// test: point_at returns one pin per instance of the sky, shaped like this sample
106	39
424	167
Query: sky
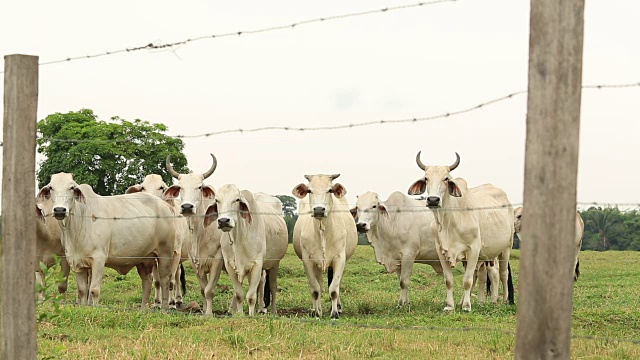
409	63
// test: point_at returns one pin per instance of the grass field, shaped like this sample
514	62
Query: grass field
606	319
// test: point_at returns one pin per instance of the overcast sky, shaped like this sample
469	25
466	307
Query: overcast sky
400	64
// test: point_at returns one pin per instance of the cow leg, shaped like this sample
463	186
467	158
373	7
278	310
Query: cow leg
313	274
147	279
467	280
62	285
82	283
178	288
448	279
210	286
504	273
97	271
165	274
238	292
273	286
482	282
254	281
334	288
174	278
262	309
156	285
40	280
494	276
404	276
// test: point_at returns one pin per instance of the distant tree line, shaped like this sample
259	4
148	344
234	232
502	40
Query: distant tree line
611	229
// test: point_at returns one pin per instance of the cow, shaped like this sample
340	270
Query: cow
254	240
154	185
471	224
204	243
48	247
324	236
119	232
517	212
399	229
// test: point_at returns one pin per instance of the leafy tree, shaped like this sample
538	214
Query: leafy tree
108	155
289	207
604	229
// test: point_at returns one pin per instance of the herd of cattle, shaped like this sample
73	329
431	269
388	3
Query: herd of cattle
244	234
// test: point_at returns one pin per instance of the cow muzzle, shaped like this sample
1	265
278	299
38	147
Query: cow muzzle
225	224
187	209
319	212
433	202
362	228
60	213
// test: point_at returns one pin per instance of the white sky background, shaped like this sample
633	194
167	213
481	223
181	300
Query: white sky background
402	64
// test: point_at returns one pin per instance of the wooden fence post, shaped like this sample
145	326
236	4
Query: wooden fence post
551	166
18	313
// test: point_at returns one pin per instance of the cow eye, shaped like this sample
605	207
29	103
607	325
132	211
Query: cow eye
238	200
374	206
200	187
309	191
161	188
330	191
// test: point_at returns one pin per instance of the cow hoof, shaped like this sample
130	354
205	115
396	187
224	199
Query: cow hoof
314	314
466	308
339	308
335	316
179	304
449	308
262	311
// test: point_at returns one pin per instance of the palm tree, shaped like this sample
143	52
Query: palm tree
604	222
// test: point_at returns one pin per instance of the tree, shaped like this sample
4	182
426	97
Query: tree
604	226
109	156
289	207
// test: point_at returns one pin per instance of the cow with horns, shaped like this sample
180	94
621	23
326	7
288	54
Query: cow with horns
471	224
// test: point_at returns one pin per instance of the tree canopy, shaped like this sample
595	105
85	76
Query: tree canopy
108	155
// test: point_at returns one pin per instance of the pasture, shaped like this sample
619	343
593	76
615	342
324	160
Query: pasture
606	318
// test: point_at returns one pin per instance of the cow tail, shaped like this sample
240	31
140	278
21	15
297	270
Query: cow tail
512	295
267	291
329	275
577	271
183	280
488	278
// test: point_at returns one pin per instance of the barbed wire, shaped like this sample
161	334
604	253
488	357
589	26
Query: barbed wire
346	126
342	324
171	45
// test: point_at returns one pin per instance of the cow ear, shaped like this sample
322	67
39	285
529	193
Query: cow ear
208	192
338	190
300	191
454	190
40	213
45	193
418	187
211	215
383	209
172	192
134	189
78	195
354	213
245	212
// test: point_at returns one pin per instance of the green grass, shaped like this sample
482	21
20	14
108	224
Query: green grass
605	307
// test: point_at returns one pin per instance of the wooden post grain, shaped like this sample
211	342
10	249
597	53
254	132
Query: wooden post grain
18	314
551	166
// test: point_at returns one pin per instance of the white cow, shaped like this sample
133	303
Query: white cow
254	239
578	239
204	244
324	236
399	229
470	224
154	185
120	232
48	244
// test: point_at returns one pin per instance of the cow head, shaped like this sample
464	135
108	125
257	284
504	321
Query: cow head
437	182
190	188
152	184
368	210
321	191
63	192
517	214
229	207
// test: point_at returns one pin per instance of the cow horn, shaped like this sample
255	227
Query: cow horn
212	169
170	168
420	164
334	176
455	164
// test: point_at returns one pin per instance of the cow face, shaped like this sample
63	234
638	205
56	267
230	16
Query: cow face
368	210
190	188
152	184
437	182
229	207
321	191
63	192
517	212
